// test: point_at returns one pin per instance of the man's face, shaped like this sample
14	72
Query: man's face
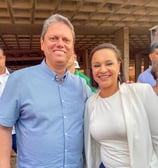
154	55
2	62
57	45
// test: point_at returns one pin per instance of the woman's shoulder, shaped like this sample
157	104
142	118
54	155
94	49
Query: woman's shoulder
138	88
136	85
92	99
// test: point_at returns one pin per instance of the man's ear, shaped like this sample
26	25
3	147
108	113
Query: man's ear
150	57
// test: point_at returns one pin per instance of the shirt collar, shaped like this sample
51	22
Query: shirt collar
5	74
53	74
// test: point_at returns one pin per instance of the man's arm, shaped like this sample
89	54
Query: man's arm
5	146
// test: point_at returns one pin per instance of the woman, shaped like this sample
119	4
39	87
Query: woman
154	72
121	119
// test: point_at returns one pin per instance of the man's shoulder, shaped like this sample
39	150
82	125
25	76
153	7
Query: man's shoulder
144	75
147	71
24	72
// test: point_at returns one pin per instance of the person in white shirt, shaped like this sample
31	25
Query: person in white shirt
4	74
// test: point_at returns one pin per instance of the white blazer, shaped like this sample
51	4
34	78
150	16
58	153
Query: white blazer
140	109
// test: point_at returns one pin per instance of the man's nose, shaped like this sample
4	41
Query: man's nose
59	42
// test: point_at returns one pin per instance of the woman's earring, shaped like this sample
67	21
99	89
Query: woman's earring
119	76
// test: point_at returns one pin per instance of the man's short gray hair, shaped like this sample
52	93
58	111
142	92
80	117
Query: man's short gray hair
57	18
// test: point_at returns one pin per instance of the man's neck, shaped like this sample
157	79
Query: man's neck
72	69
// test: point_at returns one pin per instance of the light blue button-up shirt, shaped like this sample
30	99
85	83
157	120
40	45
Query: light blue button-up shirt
48	116
147	77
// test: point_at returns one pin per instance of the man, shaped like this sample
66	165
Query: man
4	74
146	76
73	67
47	105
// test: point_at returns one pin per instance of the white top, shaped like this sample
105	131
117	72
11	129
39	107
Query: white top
109	130
139	108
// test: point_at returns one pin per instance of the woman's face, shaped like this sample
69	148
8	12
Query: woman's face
105	68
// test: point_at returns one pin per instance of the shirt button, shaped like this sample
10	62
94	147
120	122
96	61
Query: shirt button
65	117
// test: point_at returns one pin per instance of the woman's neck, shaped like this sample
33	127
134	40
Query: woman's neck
109	91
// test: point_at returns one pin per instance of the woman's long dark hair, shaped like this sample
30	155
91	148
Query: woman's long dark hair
121	76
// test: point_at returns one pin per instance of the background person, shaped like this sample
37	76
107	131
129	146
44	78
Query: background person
154	72
4	74
120	119
47	105
146	76
73	67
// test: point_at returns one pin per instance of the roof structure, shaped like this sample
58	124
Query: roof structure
95	21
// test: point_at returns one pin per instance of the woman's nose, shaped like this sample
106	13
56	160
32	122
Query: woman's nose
103	68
